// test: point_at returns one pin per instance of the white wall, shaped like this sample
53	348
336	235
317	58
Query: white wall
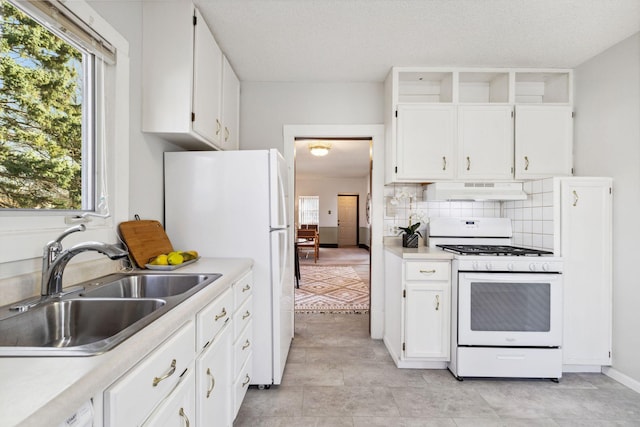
266	107
607	143
145	150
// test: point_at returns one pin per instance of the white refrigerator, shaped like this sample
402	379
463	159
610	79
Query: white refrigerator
234	204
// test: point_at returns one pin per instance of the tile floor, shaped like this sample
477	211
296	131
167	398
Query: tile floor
337	376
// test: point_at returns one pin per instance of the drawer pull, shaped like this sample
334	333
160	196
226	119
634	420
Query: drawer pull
437	302
246	381
226	134
247	314
428	271
222	314
246	288
212	381
184	416
171	371
218	127
246	344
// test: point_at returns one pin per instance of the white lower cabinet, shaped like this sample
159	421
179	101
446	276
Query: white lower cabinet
198	376
133	398
179	409
417	311
213	392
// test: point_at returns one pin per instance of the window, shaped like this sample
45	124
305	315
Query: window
64	112
308	209
45	120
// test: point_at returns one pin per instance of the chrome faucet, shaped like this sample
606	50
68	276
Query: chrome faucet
54	259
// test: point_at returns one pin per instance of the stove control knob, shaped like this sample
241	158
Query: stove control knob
510	266
488	266
532	267
475	265
545	266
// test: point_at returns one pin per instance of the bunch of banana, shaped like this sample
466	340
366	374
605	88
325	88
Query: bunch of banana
174	258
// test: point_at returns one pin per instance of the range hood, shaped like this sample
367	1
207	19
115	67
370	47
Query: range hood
475	191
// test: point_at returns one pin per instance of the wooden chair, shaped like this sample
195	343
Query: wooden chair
308	238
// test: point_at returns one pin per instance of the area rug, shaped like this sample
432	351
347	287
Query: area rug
331	289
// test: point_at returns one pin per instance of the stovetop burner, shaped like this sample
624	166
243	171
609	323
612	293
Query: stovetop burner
499	250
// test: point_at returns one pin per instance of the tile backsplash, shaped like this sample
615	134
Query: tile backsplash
531	219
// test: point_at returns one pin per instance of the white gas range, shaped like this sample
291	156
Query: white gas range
506	301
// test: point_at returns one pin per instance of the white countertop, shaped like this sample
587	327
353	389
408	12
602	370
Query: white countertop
39	391
394	246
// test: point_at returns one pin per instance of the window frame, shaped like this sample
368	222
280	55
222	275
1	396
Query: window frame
25	232
300	210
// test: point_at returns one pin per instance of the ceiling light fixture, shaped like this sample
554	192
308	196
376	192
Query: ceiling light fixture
319	148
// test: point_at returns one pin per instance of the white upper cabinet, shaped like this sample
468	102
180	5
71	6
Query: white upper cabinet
230	107
485	141
424	104
426	138
183	90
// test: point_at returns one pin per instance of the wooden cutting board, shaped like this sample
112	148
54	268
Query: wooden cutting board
145	239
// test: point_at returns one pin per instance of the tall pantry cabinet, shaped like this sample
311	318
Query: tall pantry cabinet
584	217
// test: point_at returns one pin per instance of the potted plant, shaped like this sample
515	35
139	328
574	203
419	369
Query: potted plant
410	236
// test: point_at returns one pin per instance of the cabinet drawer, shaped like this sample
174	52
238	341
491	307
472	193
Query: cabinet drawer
132	398
241	385
180	408
242	348
428	270
243	289
212	318
242	317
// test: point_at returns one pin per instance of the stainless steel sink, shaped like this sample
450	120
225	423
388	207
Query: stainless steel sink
107	311
145	285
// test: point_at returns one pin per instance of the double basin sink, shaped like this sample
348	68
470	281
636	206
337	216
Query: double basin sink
96	317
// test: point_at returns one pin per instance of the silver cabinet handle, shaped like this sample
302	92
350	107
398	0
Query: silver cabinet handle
468	163
171	371
428	271
246	344
212	382
437	302
444	163
526	163
247	314
246	381
226	134
218	126
222	314
575	198
184	416
246	288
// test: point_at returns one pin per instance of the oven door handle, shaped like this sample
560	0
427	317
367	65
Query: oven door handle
508	277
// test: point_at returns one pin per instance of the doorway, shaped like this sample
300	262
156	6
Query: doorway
376	134
348	220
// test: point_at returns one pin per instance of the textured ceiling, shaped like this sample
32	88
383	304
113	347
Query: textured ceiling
359	40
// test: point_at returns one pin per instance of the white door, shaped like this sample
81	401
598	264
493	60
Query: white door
207	70
347	220
213	382
586	243
543	141
425	144
485	142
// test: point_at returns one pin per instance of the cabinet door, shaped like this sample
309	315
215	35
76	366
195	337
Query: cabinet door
207	83
586	246
544	141
213	393
179	409
230	107
485	142
425	144
427	320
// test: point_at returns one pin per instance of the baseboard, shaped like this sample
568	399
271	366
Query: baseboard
363	246
622	378
582	368
328	245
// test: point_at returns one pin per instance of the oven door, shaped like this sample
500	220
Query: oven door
510	309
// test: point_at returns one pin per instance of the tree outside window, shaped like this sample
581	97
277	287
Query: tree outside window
41	116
